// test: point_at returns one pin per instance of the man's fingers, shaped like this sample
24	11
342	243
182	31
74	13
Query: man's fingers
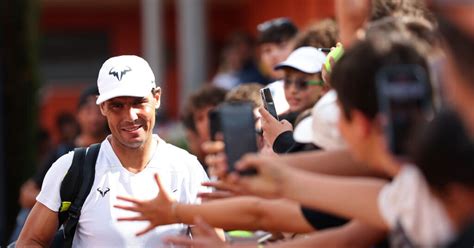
129	208
203	227
149	228
217	165
215	195
266	116
248	161
181	241
219	185
136	218
129	199
211	147
158	182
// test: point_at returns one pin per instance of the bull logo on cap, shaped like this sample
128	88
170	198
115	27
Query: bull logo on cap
119	72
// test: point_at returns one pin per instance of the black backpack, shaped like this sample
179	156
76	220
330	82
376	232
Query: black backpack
74	190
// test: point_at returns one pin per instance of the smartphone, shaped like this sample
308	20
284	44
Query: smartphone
268	102
324	49
238	128
214	123
404	99
336	54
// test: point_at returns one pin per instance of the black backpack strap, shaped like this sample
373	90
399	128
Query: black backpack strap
71	183
86	182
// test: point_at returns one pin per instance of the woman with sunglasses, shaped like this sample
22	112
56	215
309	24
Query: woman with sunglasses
303	86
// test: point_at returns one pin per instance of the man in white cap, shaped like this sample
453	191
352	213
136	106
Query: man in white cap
127	162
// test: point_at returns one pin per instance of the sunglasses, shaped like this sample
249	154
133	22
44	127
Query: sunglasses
301	84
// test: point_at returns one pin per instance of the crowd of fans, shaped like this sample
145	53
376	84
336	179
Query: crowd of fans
327	175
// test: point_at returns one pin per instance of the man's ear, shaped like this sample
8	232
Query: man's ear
157	96
102	108
363	126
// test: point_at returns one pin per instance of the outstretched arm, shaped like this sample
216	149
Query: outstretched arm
353	198
251	213
353	234
248	213
337	162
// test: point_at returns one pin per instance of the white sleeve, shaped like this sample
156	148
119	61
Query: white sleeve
408	202
49	194
393	197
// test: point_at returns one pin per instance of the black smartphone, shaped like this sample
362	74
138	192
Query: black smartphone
324	49
268	102
404	98
238	128
214	123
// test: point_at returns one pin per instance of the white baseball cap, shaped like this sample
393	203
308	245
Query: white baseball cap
126	75
320	128
306	59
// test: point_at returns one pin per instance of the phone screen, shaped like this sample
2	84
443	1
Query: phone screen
404	101
238	128
268	102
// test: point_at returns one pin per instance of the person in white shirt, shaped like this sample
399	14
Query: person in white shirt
405	206
127	162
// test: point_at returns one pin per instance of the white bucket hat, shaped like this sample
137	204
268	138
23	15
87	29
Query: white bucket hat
320	128
126	75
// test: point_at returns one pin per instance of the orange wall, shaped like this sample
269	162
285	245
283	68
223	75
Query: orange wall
122	24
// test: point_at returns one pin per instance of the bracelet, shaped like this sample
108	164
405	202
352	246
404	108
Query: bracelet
174	205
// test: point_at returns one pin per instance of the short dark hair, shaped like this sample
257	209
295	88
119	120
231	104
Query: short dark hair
91	91
249	92
277	30
353	76
419	31
208	95
321	34
413	8
444	152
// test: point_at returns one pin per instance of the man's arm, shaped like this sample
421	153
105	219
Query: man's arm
353	198
353	234
248	213
39	228
233	213
337	162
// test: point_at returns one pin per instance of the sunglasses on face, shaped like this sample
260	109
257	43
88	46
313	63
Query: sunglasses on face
301	84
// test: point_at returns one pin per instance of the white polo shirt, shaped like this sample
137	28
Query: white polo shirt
410	210
180	172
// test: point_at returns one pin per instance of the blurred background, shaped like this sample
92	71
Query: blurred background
53	49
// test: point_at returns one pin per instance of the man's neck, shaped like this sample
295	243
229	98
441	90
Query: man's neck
134	159
387	162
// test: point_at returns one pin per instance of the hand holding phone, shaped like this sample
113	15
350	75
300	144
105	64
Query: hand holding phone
335	54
